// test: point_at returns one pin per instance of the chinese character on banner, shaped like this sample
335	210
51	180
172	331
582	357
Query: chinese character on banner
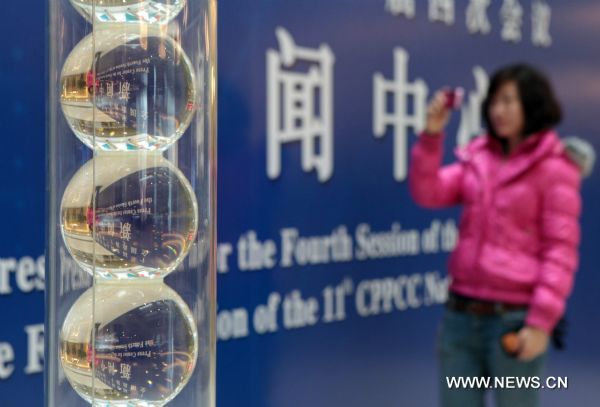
109	89
125	371
540	24
399	119
477	19
124	90
470	113
126	231
512	20
401	7
300	105
441	10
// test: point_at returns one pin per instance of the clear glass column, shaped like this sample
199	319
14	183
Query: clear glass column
130	276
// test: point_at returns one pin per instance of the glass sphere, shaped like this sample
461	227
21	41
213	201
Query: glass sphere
129	215
126	344
128	88
129	11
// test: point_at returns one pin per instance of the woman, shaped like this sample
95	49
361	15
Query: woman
513	266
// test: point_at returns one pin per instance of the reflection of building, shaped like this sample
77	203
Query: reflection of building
74	88
76	355
77	102
77	360
76	221
78	235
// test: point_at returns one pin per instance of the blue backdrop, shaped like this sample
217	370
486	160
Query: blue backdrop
330	277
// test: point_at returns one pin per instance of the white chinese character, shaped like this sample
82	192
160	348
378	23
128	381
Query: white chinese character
109	89
477	20
470	114
399	118
441	10
125	371
110	228
124	90
512	20
398	7
540	24
126	231
300	105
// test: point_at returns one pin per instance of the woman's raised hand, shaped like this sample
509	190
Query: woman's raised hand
437	114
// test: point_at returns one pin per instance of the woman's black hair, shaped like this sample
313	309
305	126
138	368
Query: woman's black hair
540	106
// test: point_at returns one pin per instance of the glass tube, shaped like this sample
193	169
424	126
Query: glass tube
131	203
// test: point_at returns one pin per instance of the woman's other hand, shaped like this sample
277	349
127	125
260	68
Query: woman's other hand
437	114
532	342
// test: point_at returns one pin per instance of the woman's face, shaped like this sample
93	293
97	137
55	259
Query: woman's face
506	112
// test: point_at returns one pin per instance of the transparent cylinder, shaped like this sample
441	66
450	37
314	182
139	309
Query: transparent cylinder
131	203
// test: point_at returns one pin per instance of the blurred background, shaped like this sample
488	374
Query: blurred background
331	279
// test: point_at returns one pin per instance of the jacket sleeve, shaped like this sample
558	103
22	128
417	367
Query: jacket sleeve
560	234
430	184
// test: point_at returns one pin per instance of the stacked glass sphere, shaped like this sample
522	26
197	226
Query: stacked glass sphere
129	216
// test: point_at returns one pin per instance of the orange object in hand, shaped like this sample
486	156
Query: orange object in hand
510	343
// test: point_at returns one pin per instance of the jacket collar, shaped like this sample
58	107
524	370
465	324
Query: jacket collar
533	149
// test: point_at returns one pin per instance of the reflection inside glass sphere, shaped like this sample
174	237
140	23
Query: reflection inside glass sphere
129	344
129	11
129	215
129	88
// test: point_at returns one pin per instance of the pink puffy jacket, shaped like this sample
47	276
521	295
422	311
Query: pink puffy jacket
519	231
